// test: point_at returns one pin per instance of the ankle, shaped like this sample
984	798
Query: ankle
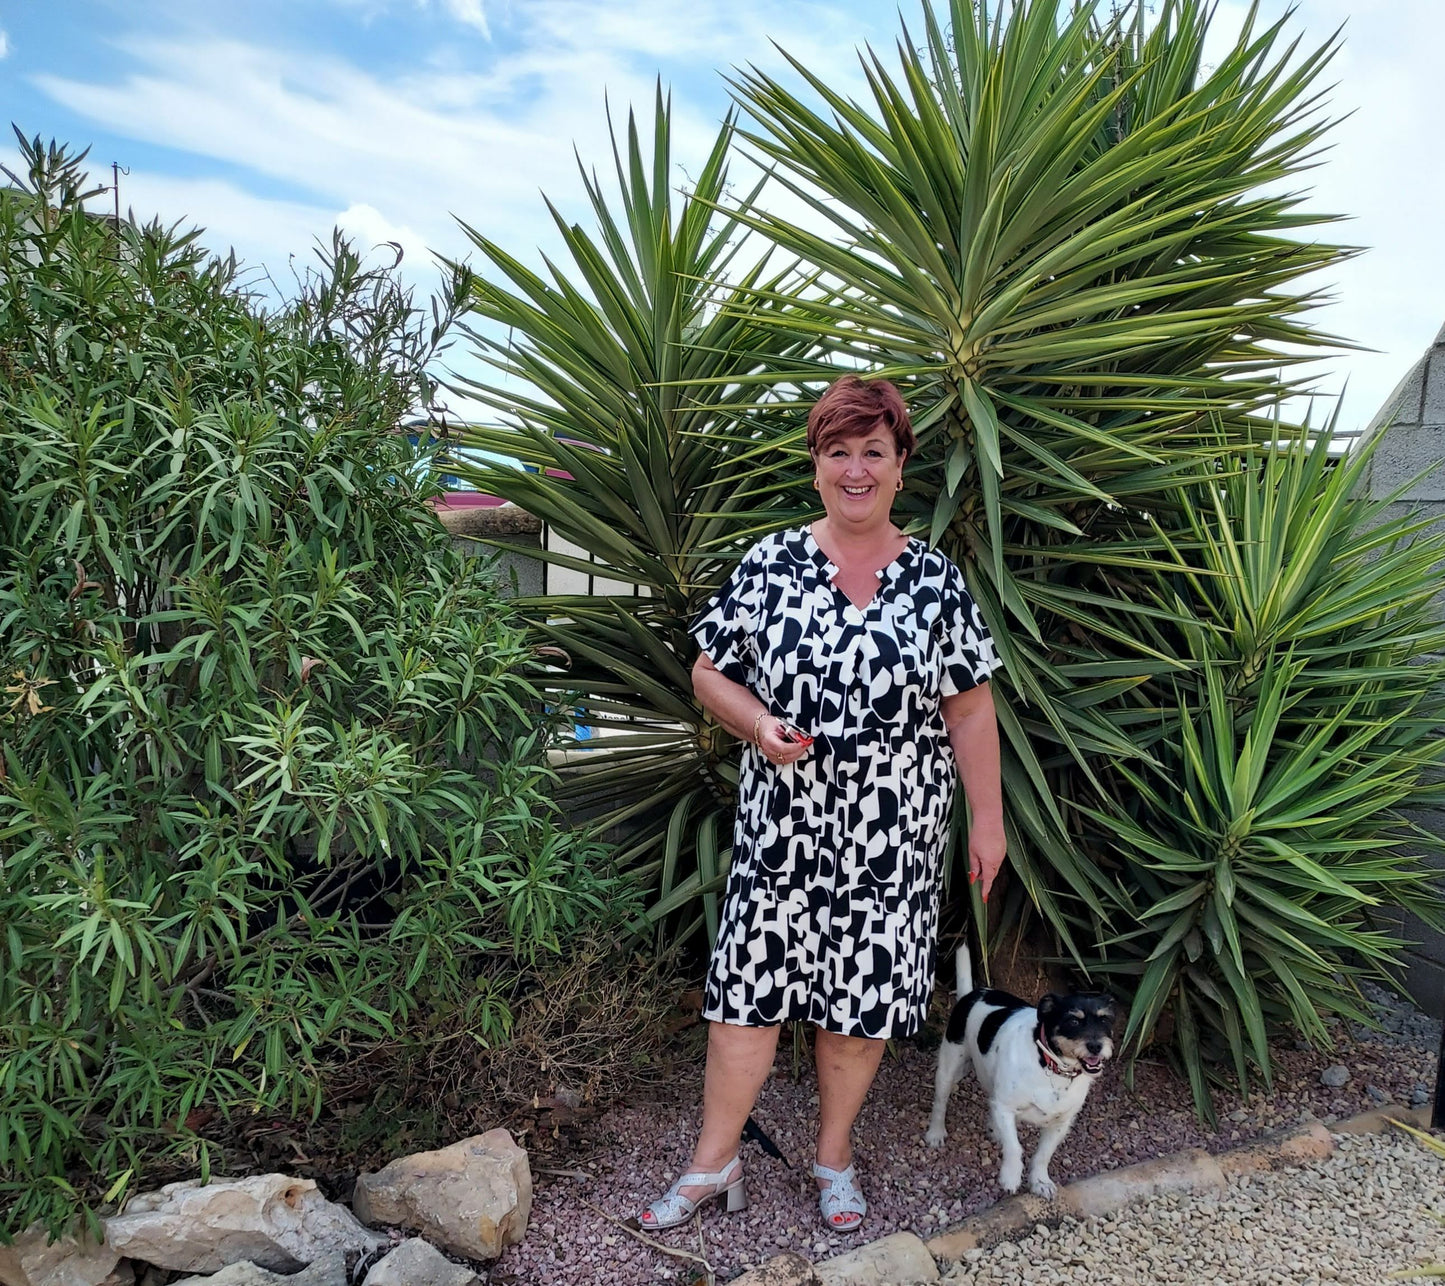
712	1161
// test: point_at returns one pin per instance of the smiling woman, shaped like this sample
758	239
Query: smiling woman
853	663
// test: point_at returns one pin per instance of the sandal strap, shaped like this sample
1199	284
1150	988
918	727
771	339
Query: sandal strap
672	1202
841	1196
695	1178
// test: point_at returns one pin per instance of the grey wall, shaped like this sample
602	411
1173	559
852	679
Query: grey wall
518	575
1411	432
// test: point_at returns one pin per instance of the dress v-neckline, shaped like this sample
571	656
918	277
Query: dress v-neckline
831	569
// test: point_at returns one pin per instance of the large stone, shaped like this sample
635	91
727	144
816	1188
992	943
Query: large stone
32	1259
271	1220
1308	1141
888	1261
472	1199
1192	1170
329	1270
419	1263
787	1269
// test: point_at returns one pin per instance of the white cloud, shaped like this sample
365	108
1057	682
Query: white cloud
475	132
373	232
4	45
478	142
263	231
471	13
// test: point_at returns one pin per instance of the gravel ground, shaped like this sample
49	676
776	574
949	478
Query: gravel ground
1355	1217
630	1154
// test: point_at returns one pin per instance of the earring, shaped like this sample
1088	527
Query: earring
900	483
815	484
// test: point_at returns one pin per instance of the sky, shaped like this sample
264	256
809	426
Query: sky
270	121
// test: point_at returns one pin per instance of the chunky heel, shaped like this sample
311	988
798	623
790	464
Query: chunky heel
672	1208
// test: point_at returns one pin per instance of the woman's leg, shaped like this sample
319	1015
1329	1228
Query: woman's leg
738	1062
846	1067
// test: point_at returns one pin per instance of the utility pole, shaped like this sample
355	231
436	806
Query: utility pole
116	170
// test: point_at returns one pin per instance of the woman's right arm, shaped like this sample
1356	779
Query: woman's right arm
737	709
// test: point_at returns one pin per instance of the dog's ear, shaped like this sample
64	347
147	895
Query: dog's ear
1048	1004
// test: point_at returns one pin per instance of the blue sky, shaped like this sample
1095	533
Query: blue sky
269	121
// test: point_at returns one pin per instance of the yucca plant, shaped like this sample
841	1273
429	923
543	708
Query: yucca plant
639	374
1257	841
1052	232
1064	235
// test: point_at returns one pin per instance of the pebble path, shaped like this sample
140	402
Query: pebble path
1355	1217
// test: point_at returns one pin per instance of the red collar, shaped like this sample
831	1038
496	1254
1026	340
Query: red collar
1049	1061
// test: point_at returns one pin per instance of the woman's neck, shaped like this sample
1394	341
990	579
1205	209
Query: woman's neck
846	546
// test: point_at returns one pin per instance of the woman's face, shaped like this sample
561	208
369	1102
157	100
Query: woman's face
858	478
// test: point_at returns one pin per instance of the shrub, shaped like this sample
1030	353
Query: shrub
272	791
1079	247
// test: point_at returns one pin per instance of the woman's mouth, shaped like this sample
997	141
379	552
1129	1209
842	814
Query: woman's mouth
857	491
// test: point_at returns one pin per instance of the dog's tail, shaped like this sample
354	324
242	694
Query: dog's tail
963	970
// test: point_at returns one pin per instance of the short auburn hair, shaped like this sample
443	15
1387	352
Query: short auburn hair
852	407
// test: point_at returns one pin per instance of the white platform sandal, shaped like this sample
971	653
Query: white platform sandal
842	1204
672	1208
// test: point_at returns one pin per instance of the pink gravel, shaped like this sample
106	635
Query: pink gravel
633	1151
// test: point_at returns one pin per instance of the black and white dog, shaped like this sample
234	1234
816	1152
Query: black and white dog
1035	1064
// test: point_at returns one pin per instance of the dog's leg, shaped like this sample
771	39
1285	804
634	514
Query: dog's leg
1005	1130
1049	1139
951	1059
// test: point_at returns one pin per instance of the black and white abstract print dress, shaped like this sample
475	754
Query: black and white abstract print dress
831	910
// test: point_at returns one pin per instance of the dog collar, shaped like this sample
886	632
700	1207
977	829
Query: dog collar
1049	1061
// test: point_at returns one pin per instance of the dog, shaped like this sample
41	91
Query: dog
1035	1063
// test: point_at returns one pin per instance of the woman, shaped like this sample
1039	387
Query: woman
855	665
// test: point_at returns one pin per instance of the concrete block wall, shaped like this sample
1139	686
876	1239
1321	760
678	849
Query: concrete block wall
519	575
1410	428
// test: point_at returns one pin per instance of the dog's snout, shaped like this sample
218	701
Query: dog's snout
1095	1046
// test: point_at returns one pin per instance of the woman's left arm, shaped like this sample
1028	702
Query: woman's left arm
973	733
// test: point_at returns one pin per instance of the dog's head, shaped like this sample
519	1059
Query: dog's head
1080	1027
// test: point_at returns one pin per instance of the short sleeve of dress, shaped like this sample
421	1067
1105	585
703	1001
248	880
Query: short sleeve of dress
969	655
727	629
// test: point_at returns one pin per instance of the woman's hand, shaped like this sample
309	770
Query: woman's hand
743	715
987	848
973	732
778	749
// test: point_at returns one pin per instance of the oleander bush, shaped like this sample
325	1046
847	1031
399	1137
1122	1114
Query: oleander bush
1084	252
274	807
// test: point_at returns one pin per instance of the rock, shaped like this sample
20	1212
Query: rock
418	1263
1419	1096
1335	1077
1192	1170
123	1275
901	1257
787	1269
329	1270
471	1199
32	1259
1376	1094
270	1220
1309	1141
